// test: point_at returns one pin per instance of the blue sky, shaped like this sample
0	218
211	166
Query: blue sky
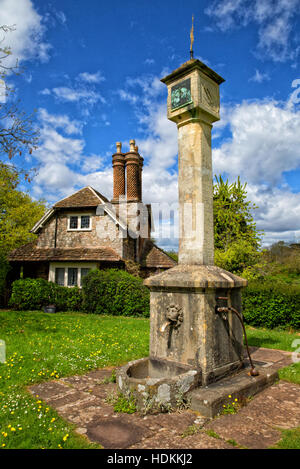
92	72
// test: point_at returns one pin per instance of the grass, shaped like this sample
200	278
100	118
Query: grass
271	338
290	439
278	339
41	347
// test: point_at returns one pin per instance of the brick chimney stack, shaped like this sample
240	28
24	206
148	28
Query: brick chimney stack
118	162
140	175
133	162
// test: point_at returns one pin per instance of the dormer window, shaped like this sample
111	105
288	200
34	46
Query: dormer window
73	223
81	222
85	222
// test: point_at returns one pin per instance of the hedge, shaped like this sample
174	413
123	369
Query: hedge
115	292
111	291
32	294
271	305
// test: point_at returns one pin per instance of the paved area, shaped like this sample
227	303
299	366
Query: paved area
83	401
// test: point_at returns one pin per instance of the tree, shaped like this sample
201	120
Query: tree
18	214
17	132
237	239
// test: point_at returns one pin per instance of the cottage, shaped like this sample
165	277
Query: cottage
86	231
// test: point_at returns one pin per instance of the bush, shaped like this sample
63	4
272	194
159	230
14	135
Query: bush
115	292
239	255
33	294
271	305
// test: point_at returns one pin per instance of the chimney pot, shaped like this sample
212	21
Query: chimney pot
132	145
119	147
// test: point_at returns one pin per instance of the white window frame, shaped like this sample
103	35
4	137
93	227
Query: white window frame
66	265
79	215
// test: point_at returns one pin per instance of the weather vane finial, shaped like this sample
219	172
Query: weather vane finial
192	39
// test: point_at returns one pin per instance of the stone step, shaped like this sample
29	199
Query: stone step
209	400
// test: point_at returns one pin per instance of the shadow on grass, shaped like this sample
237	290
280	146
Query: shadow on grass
258	342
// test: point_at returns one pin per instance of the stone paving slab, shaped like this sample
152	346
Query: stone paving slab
257	424
81	400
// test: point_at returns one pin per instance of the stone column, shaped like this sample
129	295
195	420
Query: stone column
196	238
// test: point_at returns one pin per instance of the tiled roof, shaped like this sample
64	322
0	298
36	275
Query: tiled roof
86	197
153	256
29	252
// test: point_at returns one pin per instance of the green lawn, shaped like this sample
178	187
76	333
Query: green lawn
42	346
281	340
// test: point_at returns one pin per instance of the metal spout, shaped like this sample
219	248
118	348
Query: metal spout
164	326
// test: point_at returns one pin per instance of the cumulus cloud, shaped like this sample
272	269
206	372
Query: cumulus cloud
91	77
265	142
63	166
27	40
61	121
263	147
259	77
83	91
84	95
274	18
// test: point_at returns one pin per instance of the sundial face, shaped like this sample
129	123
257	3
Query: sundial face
181	94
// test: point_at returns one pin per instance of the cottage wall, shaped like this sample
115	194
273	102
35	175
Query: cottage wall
104	233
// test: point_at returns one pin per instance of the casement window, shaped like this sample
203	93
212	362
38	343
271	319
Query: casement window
84	272
72	277
69	275
81	222
60	276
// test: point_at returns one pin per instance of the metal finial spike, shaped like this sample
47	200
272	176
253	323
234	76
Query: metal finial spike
192	39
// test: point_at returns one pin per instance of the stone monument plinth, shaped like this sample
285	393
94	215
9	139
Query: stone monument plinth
196	340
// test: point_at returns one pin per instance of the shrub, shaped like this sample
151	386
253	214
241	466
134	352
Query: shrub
31	294
115	292
271	305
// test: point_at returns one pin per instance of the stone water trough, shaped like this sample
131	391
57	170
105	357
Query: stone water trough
157	384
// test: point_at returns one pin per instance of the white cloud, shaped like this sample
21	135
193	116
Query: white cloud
61	121
278	214
61	17
27	40
84	92
45	92
63	166
91	77
259	77
149	61
84	95
265	142
274	19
